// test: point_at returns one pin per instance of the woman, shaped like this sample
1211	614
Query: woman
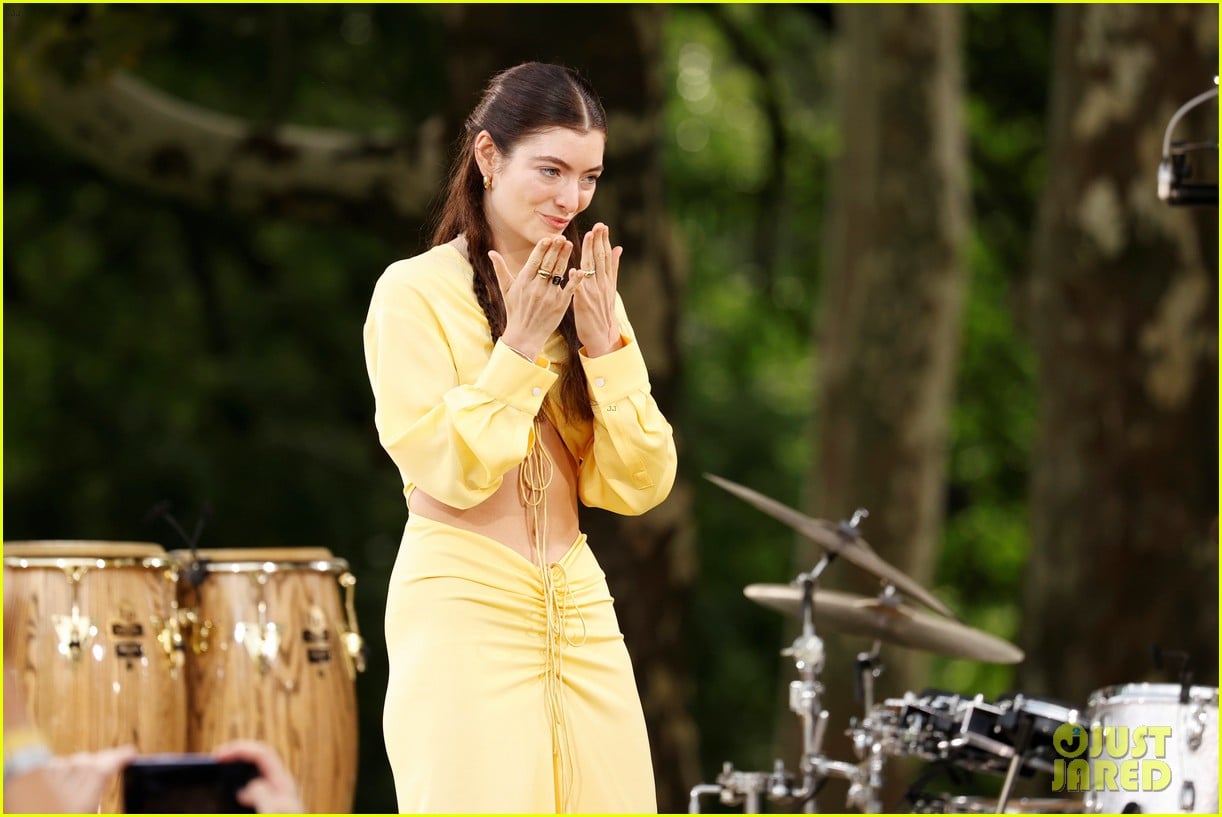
508	385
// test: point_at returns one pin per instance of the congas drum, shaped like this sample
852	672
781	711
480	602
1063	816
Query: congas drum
91	635
1153	748
273	658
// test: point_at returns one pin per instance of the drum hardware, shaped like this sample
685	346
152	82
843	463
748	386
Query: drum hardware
869	670
1174	170
260	638
354	644
73	631
170	639
807	651
1184	676
1021	744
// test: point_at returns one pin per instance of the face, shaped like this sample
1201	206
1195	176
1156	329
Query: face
540	186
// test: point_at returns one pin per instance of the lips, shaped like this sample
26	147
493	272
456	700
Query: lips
557	224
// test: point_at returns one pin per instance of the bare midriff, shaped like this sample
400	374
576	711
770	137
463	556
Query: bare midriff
504	516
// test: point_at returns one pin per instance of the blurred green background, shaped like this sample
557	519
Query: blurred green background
158	347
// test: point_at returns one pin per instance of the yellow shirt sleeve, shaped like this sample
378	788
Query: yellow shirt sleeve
630	464
456	441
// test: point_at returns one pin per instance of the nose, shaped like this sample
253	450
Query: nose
569	197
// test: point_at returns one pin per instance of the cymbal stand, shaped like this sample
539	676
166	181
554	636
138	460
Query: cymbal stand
869	668
734	787
1022	741
749	788
865	779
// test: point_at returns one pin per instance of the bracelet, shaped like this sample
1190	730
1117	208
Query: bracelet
27	758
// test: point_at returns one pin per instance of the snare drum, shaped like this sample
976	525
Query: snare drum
1039	719
1189	719
91	635
274	658
943	726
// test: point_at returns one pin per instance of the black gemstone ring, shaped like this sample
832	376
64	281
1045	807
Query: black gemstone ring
557	279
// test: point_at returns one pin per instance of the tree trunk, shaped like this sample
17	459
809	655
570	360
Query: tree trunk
648	559
1123	314
887	336
159	143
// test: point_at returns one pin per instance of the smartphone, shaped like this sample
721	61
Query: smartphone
185	784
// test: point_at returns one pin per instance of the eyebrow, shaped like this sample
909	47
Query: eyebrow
558	161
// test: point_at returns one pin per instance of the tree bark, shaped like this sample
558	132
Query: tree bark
164	145
887	336
1123	314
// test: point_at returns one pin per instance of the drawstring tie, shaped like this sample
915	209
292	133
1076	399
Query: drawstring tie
534	478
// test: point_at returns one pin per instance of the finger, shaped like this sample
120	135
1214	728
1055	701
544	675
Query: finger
587	250
258	794
573	284
499	266
110	761
535	260
548	263
602	249
613	274
562	259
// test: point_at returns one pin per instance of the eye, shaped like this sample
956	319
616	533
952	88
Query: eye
590	181
550	171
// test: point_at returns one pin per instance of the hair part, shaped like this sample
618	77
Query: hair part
519	102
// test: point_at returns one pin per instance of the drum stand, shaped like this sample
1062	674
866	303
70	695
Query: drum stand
734	787
1022	742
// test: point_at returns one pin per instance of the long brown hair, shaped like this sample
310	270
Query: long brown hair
518	102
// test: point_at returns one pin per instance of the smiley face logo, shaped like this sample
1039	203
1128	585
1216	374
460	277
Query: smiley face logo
1070	740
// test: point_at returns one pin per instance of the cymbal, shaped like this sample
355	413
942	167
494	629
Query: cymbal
832	538
899	623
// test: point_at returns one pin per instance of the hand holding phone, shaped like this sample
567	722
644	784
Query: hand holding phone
274	791
186	784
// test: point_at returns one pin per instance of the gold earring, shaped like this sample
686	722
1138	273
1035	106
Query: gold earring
487	181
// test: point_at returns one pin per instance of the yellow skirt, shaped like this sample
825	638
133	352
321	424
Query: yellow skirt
480	715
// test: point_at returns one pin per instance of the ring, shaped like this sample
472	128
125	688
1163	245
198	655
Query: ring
544	273
557	279
590	273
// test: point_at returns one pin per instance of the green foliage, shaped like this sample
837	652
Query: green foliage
749	359
748	382
153	351
987	529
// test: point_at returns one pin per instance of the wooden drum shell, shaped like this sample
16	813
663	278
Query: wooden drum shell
122	687
298	695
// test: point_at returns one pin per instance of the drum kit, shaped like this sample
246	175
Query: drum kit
1132	748
116	643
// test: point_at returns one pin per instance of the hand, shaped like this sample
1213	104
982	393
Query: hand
534	305
594	302
274	791
80	780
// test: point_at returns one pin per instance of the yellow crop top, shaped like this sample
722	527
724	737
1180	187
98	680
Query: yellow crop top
455	411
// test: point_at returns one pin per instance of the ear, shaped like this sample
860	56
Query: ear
486	154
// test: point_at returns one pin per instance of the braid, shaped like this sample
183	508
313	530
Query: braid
574	394
487	288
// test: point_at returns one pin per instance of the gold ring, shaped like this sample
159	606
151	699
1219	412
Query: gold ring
590	273
544	273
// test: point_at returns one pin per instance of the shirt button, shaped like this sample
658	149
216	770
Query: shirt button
536	391
600	382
